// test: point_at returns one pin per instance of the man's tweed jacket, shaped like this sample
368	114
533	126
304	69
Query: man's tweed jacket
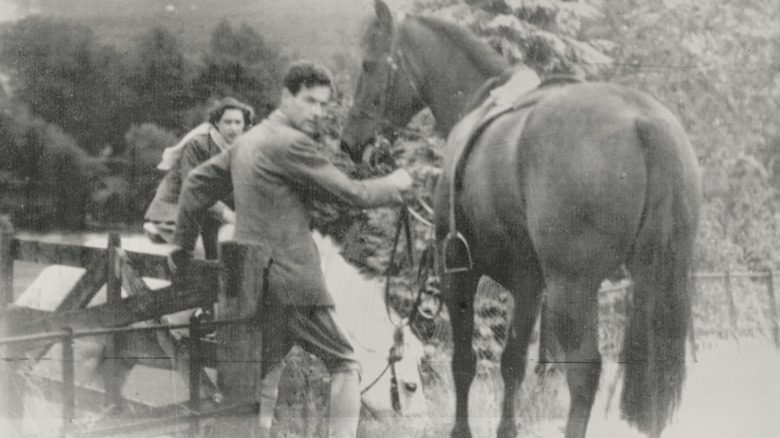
272	170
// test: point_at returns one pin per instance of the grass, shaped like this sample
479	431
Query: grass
541	405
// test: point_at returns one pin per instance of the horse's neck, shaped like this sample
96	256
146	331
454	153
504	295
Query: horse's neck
448	103
451	78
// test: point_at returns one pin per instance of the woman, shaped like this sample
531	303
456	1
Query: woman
226	121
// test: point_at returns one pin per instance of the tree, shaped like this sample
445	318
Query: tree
546	35
145	144
46	178
64	77
239	63
717	67
159	80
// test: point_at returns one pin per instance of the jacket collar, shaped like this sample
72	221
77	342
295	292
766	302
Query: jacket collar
278	117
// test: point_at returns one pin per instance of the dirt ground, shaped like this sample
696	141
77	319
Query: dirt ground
732	390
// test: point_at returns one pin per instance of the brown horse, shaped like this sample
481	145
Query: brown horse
586	178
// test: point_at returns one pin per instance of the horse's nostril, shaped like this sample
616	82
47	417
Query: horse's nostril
410	386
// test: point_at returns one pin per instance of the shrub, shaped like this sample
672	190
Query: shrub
46	177
143	148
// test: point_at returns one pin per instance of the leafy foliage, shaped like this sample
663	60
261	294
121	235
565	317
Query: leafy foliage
239	63
65	78
99	97
159	79
546	35
44	177
145	144
716	67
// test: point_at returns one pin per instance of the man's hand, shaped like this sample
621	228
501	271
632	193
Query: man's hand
403	182
228	216
178	259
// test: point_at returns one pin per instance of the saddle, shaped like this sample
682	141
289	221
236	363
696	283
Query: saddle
517	92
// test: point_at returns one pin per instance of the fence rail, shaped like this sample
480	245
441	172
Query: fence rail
201	283
728	278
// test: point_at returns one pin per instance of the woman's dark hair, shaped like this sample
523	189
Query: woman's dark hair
218	110
306	74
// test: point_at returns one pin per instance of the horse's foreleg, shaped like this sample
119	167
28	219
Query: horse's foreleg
460	289
574	311
527	291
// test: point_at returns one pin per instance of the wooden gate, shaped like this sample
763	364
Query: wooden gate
236	281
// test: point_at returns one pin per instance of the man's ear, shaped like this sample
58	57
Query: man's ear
286	98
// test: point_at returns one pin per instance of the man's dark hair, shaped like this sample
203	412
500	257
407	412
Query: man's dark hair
218	110
306	74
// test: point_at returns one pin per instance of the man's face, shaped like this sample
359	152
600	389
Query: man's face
305	109
231	125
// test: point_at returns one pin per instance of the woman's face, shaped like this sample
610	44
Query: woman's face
231	125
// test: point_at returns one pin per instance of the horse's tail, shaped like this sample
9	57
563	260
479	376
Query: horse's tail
654	345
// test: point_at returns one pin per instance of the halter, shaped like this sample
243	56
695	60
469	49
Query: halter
396	60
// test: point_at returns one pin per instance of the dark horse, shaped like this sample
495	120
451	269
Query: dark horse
591	177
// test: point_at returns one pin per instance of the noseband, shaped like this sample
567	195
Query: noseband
396	61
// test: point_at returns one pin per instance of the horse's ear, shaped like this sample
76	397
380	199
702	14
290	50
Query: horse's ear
384	14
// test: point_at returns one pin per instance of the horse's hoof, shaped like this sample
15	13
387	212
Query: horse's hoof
507	429
461	431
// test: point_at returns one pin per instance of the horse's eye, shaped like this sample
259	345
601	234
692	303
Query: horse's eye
369	66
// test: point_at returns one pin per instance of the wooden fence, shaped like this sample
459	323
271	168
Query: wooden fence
236	282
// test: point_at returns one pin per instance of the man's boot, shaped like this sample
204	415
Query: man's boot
344	404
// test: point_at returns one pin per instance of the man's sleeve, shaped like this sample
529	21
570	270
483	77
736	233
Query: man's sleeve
305	165
203	186
193	155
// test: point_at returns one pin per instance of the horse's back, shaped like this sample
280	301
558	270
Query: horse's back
573	172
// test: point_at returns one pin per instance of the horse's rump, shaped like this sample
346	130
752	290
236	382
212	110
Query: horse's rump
571	174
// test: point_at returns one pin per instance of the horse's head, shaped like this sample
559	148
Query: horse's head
375	337
388	93
396	388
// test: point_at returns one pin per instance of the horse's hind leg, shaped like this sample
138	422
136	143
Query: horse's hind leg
573	307
460	289
527	290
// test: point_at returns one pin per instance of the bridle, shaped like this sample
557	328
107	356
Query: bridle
397	62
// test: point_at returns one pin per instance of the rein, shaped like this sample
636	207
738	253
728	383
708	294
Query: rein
397	60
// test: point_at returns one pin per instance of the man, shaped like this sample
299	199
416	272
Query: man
274	170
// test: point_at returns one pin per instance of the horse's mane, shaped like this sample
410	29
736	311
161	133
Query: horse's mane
488	61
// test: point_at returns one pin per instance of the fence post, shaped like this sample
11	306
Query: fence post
732	304
195	374
6	263
243	280
113	294
691	322
68	382
773	307
11	392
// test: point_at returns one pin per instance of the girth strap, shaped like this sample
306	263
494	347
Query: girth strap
519	92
